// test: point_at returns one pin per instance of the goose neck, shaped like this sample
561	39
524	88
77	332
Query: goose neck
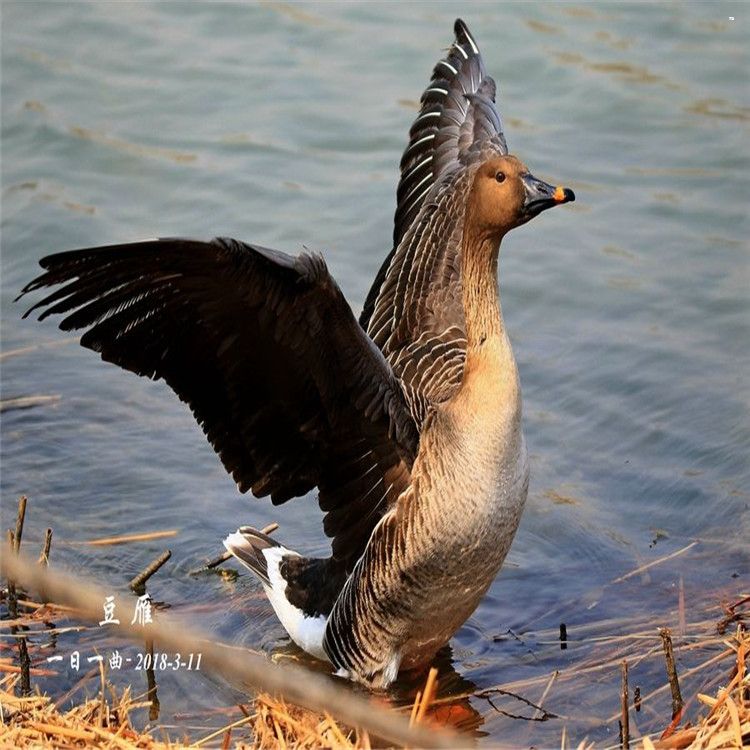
481	294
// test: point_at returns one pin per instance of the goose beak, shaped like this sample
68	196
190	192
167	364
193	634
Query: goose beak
540	196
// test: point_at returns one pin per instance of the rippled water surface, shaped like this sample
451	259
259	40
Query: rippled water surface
284	124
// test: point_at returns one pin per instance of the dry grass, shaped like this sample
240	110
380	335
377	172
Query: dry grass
277	724
101	722
727	722
104	721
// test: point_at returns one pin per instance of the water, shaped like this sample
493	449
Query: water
283	125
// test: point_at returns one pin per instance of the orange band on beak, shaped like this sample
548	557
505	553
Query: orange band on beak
559	194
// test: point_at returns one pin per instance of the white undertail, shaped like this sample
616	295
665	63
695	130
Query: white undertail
306	631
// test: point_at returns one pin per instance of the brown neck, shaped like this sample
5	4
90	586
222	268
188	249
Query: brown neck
481	296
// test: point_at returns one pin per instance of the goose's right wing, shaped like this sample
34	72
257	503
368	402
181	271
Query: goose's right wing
265	350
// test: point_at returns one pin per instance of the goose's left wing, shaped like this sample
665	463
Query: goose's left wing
458	116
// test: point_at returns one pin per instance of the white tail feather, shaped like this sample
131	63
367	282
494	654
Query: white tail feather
307	632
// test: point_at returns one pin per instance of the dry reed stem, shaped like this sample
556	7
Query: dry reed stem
125	538
20	516
12	596
688	673
53	607
44	556
653	563
34	671
624	708
138	583
415	708
428	695
35	347
224	730
14	546
553	677
278	724
674	685
27	402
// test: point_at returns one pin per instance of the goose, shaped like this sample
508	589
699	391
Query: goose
407	420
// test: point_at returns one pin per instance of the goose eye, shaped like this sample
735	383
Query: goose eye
500	176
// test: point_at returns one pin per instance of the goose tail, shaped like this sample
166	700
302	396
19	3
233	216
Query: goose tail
265	557
247	545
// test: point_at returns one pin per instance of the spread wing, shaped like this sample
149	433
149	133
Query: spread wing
458	115
265	350
414	311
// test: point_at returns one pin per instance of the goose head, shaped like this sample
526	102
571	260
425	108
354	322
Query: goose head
505	195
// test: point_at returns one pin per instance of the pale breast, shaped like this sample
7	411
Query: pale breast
487	466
